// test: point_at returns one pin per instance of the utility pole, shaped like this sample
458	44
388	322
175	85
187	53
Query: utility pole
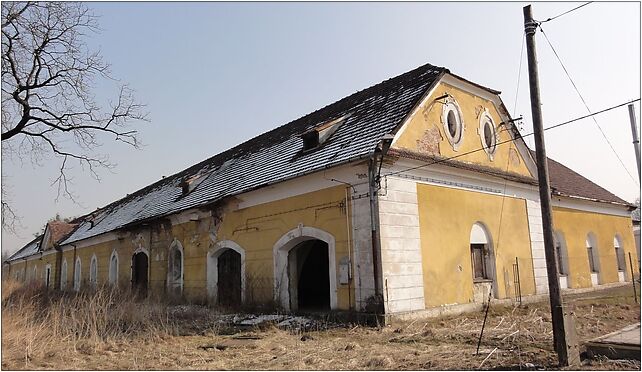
567	351
634	132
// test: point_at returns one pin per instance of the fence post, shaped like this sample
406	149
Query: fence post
635	293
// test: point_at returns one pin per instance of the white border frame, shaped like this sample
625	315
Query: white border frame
591	239
131	266
212	267
451	104
94	261
176	244
113	280
64	268
280	253
77	280
483	118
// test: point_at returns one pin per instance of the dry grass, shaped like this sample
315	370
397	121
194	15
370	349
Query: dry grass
37	323
112	332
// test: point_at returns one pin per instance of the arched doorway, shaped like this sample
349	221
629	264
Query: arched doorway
226	274
140	274
309	286
305	270
482	256
229	278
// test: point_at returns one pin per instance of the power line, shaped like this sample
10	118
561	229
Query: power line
566	12
519	75
509	140
586	105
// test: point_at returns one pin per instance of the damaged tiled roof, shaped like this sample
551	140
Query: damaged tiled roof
58	230
273	156
567	182
28	250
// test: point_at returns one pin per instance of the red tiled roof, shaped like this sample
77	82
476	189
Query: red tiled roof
567	182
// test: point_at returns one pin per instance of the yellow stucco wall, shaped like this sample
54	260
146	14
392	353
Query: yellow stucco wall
426	126
39	263
275	219
256	229
446	217
575	225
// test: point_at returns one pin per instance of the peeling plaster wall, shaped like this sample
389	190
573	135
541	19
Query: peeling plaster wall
425	132
264	218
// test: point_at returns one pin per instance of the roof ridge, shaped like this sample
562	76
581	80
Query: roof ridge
615	198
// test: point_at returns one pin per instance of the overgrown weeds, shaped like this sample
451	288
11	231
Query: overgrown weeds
36	320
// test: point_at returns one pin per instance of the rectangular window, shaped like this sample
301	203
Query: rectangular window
619	254
477	257
591	259
560	261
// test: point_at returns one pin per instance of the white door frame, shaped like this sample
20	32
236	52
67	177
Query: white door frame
212	267
280	252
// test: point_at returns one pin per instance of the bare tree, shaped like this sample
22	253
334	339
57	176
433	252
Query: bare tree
48	82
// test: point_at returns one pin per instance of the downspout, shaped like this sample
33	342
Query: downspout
374	185
374	222
58	269
149	263
350	260
73	277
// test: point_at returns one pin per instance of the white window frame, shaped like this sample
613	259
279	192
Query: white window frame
93	272
596	275
212	267
63	274
171	282
483	119
113	268
77	274
451	105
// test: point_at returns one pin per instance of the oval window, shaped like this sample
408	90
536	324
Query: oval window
488	134
452	122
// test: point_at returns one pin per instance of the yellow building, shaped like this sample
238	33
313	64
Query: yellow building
414	196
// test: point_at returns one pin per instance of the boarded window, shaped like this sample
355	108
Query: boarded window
619	255
560	258
477	252
591	258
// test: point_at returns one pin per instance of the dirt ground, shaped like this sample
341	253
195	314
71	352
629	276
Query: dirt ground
514	338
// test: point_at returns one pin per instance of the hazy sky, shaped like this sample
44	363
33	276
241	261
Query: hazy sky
216	74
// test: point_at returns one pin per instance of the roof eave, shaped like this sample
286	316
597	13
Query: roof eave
146	220
629	206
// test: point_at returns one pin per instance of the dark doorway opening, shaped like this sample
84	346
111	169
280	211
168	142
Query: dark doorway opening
47	276
140	266
229	278
309	276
